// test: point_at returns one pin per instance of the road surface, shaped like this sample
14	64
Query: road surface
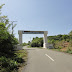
44	60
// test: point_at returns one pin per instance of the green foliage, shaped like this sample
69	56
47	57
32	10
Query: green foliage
7	42
69	51
24	44
2	26
11	64
67	40
20	55
58	44
70	34
29	42
59	37
60	47
4	19
57	41
70	44
37	42
8	64
1	8
65	37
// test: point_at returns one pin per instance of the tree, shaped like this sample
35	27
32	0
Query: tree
24	44
37	42
4	19
29	42
7	40
1	8
70	34
65	37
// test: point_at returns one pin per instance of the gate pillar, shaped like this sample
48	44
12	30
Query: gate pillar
45	45
20	37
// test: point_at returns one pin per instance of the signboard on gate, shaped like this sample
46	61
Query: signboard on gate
32	32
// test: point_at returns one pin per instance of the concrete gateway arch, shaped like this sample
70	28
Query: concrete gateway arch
45	45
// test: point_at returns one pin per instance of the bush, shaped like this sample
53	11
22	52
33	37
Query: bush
60	47
4	61
8	64
70	43
67	40
19	60
7	42
69	51
37	42
24	44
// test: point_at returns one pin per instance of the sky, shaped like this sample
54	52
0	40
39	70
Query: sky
54	16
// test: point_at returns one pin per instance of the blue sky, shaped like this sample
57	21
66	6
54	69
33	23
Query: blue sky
54	16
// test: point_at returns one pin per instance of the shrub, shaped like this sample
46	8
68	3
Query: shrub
8	64
37	42
69	51
19	60
70	43
60	47
24	44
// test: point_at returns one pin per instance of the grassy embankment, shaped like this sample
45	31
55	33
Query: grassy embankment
63	46
13	63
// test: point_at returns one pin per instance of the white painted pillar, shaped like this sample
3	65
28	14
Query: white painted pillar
20	37
45	45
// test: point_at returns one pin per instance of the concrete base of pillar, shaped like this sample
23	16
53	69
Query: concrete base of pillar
19	47
45	45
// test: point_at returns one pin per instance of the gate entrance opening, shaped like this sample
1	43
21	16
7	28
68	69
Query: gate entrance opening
45	45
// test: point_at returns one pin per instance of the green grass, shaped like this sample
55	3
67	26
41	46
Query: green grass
29	46
56	49
12	64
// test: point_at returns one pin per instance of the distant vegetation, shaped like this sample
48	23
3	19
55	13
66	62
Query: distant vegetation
24	44
37	42
60	42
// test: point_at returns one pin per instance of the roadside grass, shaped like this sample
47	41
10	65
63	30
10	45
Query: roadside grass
29	46
67	51
56	49
12	64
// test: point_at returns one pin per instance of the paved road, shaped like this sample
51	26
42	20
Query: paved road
44	60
